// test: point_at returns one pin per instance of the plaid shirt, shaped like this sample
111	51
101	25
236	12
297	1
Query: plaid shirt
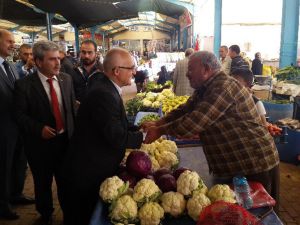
224	115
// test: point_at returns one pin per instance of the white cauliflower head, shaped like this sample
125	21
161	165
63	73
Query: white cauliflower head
149	148
221	192
188	182
151	213
173	203
166	159
124	210
155	164
147	103
156	104
146	190
111	188
196	204
167	145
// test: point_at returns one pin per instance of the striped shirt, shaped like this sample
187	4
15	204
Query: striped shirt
224	115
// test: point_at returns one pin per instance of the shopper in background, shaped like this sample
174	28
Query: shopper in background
88	67
45	112
163	75
246	78
141	78
66	66
26	64
257	65
100	139
223	114
237	62
181	84
225	59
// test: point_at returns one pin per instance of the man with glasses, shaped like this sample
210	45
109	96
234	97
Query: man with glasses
89	66
100	139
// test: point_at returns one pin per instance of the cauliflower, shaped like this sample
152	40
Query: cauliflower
202	189
167	145
149	148
155	164
188	182
151	213
111	188
146	103
146	190
166	159
168	93
221	192
156	104
124	210
151	96
196	204
173	203
160	97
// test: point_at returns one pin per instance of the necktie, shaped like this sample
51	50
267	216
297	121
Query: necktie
8	72
55	107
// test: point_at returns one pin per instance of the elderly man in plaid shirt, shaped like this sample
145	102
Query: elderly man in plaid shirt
223	113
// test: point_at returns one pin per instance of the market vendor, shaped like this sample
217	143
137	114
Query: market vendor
223	114
100	138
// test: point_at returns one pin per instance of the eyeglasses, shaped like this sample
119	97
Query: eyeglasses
133	68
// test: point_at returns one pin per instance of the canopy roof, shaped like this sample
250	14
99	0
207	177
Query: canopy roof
87	13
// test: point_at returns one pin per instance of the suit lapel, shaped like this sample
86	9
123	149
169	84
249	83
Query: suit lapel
38	86
63	88
4	77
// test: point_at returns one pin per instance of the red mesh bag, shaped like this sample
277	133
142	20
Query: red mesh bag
260	196
224	213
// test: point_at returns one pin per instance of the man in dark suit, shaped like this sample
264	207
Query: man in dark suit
100	139
9	133
44	108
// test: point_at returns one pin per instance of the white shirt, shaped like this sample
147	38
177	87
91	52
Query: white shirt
1	65
56	86
118	88
260	108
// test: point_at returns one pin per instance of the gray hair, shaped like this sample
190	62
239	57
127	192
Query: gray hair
41	47
207	58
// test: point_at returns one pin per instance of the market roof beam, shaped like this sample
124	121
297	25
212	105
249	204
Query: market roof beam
186	5
16	28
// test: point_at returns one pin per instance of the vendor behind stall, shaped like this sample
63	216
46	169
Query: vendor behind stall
223	114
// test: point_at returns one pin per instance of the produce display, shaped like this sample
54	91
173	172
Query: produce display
148	118
289	74
153	87
170	104
158	194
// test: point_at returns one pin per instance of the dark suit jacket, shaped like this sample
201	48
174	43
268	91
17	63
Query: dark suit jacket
8	126
33	109
100	138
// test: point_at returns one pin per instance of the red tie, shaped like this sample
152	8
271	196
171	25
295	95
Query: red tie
55	107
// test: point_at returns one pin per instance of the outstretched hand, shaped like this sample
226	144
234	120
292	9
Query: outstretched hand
153	133
145	126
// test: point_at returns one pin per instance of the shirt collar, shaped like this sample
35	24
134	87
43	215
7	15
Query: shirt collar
44	78
1	60
118	88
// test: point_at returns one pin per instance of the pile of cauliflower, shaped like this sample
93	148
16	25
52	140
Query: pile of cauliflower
163	154
147	205
154	100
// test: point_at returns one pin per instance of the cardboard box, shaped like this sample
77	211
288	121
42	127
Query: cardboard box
262	94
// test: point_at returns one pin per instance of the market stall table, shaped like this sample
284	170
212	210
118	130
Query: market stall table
192	157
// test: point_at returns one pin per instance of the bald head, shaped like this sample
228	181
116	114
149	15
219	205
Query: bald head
119	66
114	58
7	43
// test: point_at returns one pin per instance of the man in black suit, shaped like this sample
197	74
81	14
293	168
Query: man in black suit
12	173
100	139
44	108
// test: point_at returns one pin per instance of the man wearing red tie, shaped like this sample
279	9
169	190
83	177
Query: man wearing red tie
44	108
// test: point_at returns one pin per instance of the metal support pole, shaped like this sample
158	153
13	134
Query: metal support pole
218	26
49	17
178	38
289	33
103	42
76	32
